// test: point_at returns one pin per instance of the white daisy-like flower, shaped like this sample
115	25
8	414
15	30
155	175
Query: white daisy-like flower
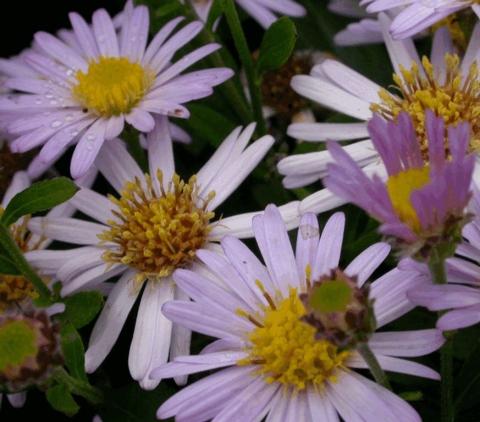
417	15
445	83
276	366
154	226
265	12
98	80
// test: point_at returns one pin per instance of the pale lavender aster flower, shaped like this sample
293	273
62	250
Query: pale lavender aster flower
155	225
461	296
419	204
418	15
265	12
258	376
101	79
333	85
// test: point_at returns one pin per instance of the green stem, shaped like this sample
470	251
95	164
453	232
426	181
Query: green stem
230	91
22	264
78	387
373	365
436	265
247	61
446	363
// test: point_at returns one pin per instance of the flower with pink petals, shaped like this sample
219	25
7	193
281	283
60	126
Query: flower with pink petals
87	88
461	296
272	363
421	204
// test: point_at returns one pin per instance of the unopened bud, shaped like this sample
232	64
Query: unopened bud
340	311
29	349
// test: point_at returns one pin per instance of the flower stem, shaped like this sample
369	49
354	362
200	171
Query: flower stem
16	255
247	61
78	387
233	94
373	365
436	265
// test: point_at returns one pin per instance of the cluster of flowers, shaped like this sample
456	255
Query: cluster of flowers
291	329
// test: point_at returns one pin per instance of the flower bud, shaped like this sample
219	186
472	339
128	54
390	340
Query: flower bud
29	349
340	311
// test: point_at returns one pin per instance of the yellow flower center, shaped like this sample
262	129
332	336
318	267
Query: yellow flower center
15	289
400	188
286	350
112	86
457	99
157	233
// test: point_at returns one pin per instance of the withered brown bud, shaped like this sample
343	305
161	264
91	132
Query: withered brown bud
340	311
29	349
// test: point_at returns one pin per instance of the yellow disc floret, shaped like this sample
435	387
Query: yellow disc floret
400	188
455	97
286	350
158	232
112	86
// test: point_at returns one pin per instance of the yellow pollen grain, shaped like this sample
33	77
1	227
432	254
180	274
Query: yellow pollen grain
286	351
456	98
112	86
400	188
454	28
157	233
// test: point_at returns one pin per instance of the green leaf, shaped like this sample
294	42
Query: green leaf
73	350
8	267
41	196
277	45
208	124
82	307
60	399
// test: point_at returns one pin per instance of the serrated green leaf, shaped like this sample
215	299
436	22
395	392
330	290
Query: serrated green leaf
8	267
41	196
82	307
73	350
277	45
61	399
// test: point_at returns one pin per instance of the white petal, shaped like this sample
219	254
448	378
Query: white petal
111	320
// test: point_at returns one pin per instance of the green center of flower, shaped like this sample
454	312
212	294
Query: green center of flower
112	86
400	188
156	234
331	296
286	350
18	342
456	99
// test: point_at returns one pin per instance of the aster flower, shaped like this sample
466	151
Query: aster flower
263	11
461	296
272	363
91	89
421	206
154	226
418	15
446	83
